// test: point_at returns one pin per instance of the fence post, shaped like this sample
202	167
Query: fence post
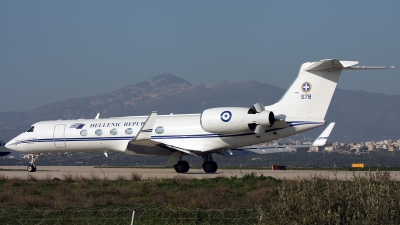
133	217
198	216
62	222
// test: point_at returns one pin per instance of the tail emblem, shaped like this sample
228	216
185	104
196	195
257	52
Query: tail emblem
306	87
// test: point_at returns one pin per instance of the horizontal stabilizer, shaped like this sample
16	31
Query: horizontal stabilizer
323	137
369	67
328	64
261	149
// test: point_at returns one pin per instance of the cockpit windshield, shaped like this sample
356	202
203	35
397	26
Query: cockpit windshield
31	129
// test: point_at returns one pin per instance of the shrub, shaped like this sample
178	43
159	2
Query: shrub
136	177
363	200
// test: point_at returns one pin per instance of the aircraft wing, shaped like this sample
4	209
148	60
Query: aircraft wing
143	138
261	149
145	131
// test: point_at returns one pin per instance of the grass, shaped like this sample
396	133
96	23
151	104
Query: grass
372	198
74	191
369	199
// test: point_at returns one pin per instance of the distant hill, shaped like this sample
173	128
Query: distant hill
360	116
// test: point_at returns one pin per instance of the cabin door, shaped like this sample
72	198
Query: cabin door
59	136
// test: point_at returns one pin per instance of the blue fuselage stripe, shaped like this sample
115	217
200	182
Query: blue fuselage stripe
158	137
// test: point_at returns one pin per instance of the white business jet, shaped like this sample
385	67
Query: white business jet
226	131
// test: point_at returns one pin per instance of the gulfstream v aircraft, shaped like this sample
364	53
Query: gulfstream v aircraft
226	131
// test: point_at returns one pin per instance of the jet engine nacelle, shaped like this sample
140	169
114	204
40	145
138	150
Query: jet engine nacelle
234	120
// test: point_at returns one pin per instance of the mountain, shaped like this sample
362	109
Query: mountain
364	116
360	116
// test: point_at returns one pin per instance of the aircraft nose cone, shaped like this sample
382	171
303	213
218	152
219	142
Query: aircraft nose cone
9	145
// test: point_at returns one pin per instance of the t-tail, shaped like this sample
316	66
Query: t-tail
310	94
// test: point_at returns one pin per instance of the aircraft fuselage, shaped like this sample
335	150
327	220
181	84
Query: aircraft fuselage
114	134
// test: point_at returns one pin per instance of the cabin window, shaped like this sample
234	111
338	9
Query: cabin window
160	130
128	131
84	132
31	129
98	132
113	131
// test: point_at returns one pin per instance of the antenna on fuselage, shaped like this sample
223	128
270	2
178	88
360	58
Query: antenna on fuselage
97	117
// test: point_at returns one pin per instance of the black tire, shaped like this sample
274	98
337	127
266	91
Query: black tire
210	167
182	167
31	168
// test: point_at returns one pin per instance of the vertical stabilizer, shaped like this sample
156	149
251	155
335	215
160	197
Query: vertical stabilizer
310	94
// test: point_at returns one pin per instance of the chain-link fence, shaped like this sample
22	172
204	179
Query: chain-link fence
130	216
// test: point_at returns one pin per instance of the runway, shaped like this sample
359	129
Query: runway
89	172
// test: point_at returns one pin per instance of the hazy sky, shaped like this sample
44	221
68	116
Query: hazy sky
56	50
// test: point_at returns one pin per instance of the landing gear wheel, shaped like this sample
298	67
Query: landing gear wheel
182	167
31	168
32	159
210	167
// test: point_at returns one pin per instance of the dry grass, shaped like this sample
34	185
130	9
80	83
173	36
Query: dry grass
3	177
121	177
48	178
15	182
371	198
31	177
68	178
135	176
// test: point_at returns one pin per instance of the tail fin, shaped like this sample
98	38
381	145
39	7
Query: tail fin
311	93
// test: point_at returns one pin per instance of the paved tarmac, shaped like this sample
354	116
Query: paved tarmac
61	172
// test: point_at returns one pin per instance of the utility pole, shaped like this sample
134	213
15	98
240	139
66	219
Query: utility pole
369	160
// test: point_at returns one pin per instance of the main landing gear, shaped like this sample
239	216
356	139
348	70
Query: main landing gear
182	166
209	166
32	159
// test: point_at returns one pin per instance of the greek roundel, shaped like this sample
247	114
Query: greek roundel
306	87
226	116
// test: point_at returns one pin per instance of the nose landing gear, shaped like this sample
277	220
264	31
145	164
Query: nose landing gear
31	168
32	159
